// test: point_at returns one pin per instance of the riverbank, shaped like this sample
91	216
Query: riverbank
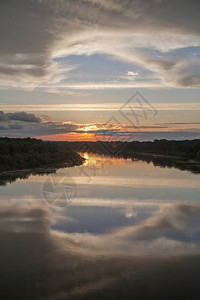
31	153
188	150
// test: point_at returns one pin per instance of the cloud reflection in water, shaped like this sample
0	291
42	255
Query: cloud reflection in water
154	255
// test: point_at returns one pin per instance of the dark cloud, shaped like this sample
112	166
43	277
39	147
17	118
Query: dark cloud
164	65
192	80
23	116
22	124
33	32
16	126
19	116
11	127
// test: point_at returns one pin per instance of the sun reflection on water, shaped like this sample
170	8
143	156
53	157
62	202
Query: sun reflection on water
86	155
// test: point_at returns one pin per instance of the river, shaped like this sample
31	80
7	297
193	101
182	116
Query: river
112	228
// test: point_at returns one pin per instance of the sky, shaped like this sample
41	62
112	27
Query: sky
100	69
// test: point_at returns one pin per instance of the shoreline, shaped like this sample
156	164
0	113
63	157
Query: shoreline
165	156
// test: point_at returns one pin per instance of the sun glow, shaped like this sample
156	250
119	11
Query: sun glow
89	128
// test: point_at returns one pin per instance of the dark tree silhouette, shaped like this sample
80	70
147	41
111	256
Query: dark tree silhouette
26	153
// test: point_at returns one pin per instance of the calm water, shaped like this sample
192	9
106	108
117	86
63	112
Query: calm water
111	229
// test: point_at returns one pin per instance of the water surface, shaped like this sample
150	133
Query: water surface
113	228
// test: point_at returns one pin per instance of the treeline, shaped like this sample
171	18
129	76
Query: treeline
26	153
186	149
17	153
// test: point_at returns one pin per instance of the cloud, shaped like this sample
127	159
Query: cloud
32	130
195	106
192	80
19	116
138	32
131	73
21	124
24	117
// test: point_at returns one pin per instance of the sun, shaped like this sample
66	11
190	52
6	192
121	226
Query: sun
87	128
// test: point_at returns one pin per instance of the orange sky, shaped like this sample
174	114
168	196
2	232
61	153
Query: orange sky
71	137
